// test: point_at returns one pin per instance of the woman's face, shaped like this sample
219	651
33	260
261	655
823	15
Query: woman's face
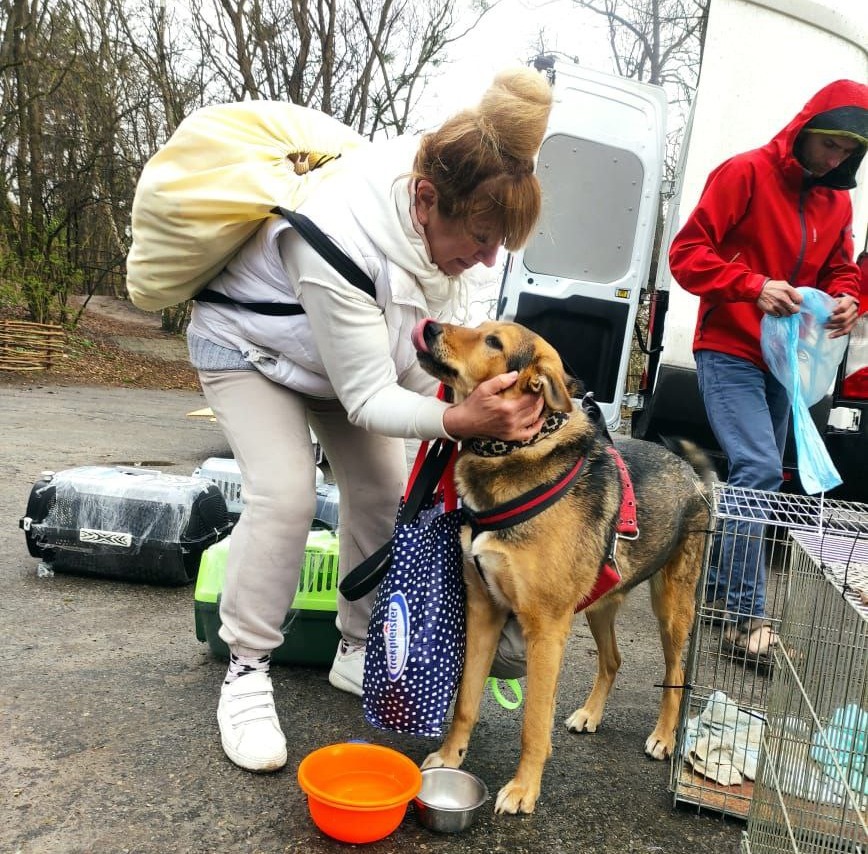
454	248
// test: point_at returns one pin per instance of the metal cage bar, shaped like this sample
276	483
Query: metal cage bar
724	713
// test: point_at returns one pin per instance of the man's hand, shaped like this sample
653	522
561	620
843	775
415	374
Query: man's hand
844	316
486	413
779	299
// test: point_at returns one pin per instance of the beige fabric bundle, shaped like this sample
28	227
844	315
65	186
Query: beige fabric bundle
213	183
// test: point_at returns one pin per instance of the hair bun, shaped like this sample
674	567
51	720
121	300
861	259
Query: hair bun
516	108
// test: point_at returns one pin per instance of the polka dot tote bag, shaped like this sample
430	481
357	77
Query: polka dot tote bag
415	646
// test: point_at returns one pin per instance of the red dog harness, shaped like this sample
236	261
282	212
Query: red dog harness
626	529
528	505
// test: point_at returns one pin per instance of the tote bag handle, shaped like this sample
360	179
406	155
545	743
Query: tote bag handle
433	472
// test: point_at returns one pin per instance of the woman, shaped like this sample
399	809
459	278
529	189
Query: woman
415	214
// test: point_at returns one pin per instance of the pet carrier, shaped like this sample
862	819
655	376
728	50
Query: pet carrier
725	701
310	635
224	472
126	523
811	792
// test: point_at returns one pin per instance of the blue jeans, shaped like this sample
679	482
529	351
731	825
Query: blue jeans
748	410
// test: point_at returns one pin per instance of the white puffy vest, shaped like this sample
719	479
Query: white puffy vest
282	348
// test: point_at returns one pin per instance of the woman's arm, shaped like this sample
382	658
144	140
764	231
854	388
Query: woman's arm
353	344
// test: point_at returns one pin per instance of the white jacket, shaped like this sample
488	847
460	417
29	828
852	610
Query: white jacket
345	345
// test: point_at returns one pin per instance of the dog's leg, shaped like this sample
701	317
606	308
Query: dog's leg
546	640
673	604
485	621
601	621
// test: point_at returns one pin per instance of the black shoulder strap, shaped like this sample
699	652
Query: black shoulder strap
329	250
275	309
325	246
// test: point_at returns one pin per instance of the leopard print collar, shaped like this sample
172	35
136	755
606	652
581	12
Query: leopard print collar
500	448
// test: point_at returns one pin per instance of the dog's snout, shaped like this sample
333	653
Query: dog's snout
424	334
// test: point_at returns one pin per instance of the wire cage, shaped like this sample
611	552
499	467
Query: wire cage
811	792
725	701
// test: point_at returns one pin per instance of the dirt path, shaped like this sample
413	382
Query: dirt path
114	344
162	345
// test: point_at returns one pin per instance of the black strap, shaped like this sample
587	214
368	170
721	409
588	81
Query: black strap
329	250
434	465
274	309
325	246
368	574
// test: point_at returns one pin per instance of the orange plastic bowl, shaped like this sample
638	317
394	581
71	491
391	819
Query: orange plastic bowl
358	792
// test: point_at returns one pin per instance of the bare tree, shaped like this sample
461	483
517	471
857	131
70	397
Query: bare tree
89	89
658	42
655	41
363	61
39	53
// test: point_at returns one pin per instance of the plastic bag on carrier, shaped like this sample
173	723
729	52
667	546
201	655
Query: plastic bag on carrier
802	357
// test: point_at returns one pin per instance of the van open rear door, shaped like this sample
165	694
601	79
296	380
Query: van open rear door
579	279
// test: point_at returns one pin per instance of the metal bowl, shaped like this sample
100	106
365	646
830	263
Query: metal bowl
449	799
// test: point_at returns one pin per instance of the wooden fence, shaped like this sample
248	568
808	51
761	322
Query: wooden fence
26	346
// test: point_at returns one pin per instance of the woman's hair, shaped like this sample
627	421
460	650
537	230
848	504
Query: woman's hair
481	160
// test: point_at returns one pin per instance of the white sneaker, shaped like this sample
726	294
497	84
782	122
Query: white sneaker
348	668
249	729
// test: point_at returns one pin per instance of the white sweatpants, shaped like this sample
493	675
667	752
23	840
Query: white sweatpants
266	425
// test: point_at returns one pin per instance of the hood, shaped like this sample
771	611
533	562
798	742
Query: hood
840	108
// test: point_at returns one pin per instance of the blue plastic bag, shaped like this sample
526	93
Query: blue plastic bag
804	360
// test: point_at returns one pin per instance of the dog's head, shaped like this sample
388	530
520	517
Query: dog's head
462	357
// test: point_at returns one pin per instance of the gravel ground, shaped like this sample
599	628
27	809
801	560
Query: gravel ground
109	699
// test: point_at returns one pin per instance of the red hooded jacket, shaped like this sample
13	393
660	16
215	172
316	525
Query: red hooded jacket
762	216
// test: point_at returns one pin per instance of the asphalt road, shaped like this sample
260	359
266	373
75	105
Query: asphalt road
108	699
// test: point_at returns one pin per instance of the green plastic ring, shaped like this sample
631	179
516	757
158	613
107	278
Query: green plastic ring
514	685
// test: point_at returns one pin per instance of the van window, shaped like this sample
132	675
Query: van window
592	193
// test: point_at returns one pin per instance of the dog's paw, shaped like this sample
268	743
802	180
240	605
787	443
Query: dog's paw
659	748
439	760
581	720
515	798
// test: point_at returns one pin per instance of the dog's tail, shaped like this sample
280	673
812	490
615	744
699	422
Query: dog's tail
695	456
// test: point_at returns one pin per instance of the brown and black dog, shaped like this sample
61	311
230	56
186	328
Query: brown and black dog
542	567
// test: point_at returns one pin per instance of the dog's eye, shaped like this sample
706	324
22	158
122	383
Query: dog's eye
494	342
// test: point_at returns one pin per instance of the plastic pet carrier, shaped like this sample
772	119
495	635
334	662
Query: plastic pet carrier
225	473
124	523
310	635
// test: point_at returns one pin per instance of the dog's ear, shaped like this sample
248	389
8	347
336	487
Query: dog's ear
550	381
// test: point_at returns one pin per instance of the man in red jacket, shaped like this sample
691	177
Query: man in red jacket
768	221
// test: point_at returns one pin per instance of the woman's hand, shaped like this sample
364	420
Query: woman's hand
486	413
844	316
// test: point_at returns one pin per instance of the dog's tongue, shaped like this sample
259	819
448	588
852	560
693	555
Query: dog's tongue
418	336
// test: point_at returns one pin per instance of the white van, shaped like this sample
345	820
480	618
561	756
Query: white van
581	278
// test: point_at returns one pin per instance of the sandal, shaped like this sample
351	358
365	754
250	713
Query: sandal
754	639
